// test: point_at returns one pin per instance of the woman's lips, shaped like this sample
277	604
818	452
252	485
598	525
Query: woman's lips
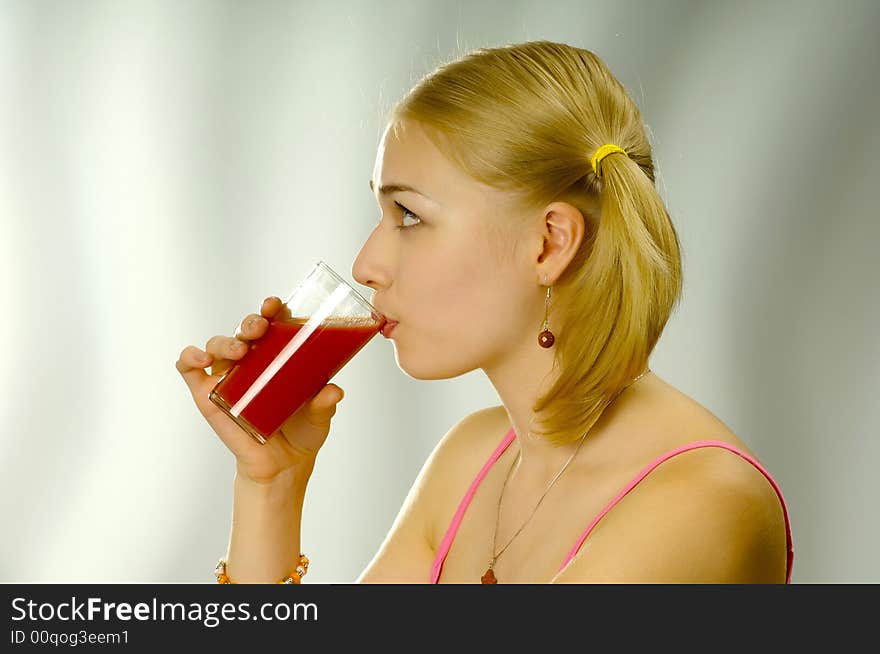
388	328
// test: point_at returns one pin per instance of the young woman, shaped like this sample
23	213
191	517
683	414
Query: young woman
521	234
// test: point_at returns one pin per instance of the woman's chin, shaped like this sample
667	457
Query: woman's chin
428	370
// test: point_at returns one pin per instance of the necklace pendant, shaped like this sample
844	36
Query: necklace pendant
489	577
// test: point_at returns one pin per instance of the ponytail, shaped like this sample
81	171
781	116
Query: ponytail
626	289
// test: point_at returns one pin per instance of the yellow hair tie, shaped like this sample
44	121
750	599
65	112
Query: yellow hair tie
603	152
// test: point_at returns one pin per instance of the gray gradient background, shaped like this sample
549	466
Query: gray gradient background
166	165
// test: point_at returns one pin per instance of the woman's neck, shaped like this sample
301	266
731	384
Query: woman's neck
519	382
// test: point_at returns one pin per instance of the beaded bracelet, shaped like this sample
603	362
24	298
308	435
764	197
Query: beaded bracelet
295	577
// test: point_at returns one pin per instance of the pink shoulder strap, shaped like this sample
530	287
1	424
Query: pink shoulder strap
446	543
684	448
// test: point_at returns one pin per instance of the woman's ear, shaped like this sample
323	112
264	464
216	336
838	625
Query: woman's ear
563	232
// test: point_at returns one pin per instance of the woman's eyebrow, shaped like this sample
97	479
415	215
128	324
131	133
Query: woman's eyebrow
385	189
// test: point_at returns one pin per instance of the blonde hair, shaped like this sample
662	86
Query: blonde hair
527	118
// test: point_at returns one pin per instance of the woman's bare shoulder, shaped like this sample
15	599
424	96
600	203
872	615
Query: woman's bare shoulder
735	519
457	459
474	432
407	551
662	419
463	449
671	418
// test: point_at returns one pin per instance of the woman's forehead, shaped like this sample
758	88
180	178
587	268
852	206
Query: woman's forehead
406	156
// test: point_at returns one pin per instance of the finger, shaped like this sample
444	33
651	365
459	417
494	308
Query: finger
226	347
334	394
270	306
274	309
191	365
322	407
225	352
252	327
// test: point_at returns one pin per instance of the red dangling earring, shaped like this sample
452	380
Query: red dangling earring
546	338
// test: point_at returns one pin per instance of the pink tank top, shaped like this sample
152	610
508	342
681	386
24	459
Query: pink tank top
446	543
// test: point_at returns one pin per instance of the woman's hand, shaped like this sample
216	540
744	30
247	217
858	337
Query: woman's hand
299	438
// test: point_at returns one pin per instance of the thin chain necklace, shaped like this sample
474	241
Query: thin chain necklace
489	576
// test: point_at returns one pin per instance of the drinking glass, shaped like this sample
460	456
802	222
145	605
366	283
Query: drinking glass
325	323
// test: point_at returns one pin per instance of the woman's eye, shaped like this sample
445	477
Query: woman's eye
406	212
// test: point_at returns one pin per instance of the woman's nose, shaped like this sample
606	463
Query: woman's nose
370	267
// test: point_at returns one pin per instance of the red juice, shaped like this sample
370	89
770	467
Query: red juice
277	396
